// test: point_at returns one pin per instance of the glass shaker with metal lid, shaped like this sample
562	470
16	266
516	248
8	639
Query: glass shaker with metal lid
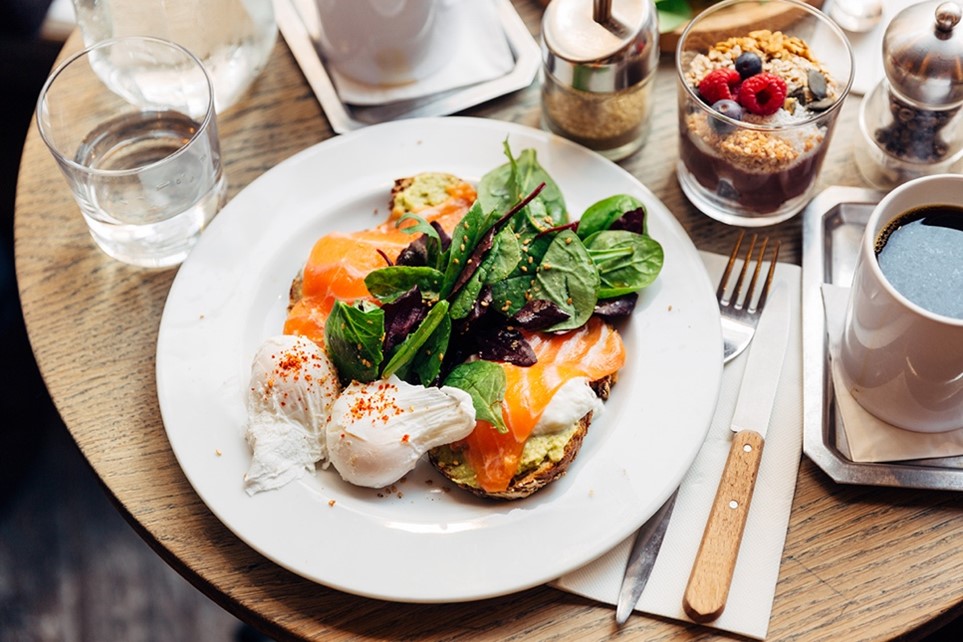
911	125
599	59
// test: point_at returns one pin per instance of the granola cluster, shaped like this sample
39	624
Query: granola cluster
786	56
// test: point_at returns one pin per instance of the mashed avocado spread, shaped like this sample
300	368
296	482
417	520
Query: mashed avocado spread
424	190
538	449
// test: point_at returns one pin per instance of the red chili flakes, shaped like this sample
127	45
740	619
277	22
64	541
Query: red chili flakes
379	403
405	438
331	502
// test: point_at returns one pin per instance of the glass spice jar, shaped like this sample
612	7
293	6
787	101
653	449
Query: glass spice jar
911	124
599	60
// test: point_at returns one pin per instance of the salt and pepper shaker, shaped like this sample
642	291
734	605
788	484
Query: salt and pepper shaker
599	61
911	123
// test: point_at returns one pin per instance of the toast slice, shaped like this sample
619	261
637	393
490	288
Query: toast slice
544	459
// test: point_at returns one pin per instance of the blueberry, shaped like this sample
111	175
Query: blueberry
729	108
748	64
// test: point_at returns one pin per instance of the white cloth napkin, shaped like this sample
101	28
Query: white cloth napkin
869	439
480	53
757	569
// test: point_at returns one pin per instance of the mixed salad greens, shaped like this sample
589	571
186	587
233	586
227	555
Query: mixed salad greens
452	307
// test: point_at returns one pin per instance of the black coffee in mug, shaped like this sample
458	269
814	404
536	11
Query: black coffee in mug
920	253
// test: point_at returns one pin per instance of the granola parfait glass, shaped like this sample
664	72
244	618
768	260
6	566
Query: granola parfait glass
760	85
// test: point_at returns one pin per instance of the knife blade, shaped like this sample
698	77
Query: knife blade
708	587
645	550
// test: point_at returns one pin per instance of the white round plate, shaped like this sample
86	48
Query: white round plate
425	541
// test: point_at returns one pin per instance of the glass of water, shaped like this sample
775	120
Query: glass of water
131	123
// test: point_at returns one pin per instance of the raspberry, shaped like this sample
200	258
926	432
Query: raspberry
762	94
719	84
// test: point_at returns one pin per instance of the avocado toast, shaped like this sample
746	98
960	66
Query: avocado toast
494	292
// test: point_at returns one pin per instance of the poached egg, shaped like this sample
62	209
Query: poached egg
293	385
377	431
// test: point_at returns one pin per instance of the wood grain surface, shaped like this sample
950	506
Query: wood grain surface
860	563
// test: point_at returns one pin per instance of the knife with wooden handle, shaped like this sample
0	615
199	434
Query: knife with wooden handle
708	588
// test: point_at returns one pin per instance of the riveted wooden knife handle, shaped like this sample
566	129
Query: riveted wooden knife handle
708	587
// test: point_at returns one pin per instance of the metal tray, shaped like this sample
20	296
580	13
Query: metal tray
344	117
833	225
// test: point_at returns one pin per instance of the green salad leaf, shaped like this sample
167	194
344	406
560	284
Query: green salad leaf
626	262
354	334
485	382
602	214
406	352
389	283
452	309
567	276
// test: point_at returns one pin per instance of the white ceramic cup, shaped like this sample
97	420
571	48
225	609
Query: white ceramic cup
902	362
387	42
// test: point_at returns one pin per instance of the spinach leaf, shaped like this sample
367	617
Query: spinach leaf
389	283
427	362
428	248
505	254
354	335
405	353
485	382
509	295
602	214
464	238
567	277
626	261
500	261
503	186
464	300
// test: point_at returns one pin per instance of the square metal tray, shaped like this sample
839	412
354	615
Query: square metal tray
833	225
345	118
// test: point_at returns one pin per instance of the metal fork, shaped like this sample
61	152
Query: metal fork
740	315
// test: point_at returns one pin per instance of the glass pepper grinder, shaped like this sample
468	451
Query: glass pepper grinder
911	123
599	61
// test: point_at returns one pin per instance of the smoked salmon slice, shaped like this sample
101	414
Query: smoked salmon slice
339	262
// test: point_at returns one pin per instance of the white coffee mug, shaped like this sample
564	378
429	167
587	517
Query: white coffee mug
902	362
387	42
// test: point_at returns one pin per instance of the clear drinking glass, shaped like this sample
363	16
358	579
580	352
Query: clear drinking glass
754	160
233	38
140	152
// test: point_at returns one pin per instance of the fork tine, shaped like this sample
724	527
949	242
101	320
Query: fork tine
764	293
742	274
721	290
747	303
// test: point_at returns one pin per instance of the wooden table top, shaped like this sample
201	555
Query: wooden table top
859	562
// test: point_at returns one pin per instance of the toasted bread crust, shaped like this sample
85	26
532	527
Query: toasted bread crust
294	294
526	483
